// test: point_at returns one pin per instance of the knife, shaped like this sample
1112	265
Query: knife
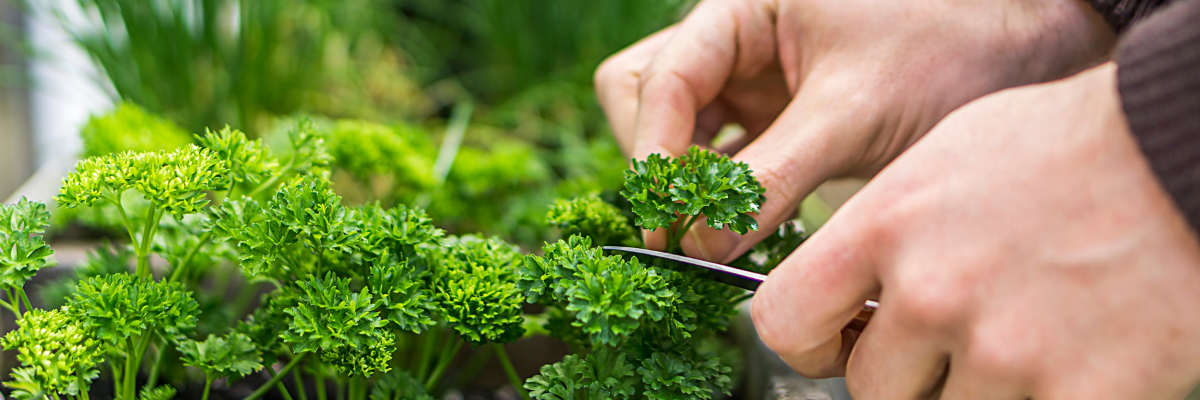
735	277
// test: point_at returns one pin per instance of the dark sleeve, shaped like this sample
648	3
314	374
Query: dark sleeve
1158	76
1120	14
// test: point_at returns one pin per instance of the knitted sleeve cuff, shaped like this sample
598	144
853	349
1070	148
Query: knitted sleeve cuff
1158	77
1120	14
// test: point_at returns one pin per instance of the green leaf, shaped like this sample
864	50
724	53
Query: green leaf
219	357
591	217
23	251
608	375
342	326
247	160
698	183
647	187
174	181
609	295
58	355
121	306
559	381
161	392
476	292
683	375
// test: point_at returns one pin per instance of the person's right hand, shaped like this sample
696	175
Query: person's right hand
828	89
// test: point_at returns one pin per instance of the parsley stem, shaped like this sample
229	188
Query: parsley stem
505	362
282	389
143	267
428	341
133	363
319	382
208	381
266	387
10	307
299	381
116	201
187	259
448	352
25	299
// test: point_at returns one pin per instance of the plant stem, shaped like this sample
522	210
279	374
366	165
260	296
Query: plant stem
187	259
117	381
675	235
298	377
208	381
133	363
428	342
127	386
266	387
143	250
282	389
274	177
116	201
154	370
25	299
505	362
319	382
448	352
460	119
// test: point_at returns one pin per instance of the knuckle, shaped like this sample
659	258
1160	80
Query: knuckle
928	302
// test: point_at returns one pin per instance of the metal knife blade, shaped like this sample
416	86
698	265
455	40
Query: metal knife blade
736	277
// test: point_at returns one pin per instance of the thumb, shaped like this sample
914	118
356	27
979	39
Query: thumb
800	311
823	133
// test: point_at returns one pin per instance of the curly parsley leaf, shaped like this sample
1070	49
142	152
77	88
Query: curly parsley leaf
130	127
23	251
698	183
476	292
119	306
681	375
559	381
219	357
58	355
174	181
592	217
340	325
247	160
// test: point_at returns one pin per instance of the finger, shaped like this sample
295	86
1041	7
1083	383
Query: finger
800	310
691	69
617	80
894	360
821	135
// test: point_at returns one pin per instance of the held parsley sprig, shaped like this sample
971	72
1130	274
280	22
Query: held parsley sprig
698	183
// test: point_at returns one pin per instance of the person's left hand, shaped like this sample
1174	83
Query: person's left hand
1023	248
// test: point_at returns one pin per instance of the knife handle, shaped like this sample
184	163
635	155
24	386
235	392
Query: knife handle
859	323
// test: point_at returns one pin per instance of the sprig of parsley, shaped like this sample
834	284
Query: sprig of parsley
697	183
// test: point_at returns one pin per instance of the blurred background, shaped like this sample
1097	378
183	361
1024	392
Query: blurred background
514	74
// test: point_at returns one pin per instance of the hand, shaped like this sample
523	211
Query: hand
825	88
1023	248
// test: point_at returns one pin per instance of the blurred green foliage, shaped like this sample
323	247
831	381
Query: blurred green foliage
130	127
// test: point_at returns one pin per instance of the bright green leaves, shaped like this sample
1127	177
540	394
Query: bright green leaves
698	183
475	289
559	381
120	306
130	128
57	354
603	374
23	251
647	186
306	152
219	357
247	160
609	295
174	181
589	216
674	376
403	296
342	326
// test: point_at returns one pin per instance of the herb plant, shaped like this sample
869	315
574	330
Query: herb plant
372	297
